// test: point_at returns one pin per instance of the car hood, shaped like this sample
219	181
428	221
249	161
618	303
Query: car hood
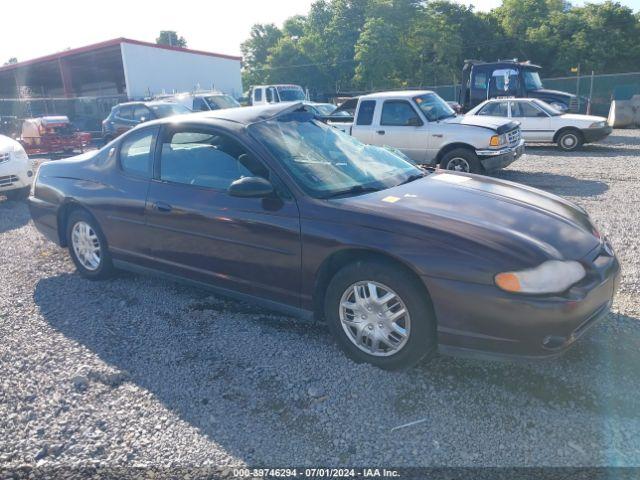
544	92
501	215
8	144
492	123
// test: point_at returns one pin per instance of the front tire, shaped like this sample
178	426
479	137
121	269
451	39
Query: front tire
461	160
88	246
570	140
380	314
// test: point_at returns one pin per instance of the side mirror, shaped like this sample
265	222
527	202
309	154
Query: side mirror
414	122
250	187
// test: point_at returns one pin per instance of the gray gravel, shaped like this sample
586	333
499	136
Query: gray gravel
140	371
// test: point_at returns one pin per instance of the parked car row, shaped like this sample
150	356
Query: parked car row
270	204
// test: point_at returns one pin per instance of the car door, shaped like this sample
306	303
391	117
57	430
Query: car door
401	127
124	119
249	245
362	127
535	124
121	208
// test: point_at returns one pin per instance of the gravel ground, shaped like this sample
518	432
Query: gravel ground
141	371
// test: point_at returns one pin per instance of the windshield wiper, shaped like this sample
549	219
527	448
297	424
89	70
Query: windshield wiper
355	190
413	177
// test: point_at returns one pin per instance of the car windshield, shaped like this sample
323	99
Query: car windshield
217	102
326	162
434	107
532	80
168	109
290	94
550	109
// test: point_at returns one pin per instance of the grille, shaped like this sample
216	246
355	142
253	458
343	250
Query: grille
513	136
4	157
8	180
573	104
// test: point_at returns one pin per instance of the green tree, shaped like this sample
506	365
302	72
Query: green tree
256	51
171	38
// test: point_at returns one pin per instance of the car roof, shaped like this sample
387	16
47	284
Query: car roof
397	94
240	115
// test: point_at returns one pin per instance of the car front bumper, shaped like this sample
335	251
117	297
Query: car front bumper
500	158
595	134
15	174
483	321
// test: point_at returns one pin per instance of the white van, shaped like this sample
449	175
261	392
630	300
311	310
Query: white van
263	94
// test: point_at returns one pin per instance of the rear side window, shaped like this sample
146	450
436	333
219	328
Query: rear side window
199	105
495	109
136	152
365	113
257	94
398	113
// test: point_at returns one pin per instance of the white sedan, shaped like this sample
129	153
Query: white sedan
16	171
542	123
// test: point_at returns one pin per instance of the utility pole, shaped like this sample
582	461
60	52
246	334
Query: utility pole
590	95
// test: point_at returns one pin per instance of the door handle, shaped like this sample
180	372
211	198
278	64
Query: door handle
162	207
380	132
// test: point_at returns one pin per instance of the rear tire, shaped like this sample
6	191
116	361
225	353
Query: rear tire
18	194
369	326
88	246
461	160
569	140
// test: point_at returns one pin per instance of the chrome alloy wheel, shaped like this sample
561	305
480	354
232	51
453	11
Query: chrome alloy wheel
86	245
458	164
375	318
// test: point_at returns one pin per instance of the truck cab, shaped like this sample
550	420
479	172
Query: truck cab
510	78
425	128
263	94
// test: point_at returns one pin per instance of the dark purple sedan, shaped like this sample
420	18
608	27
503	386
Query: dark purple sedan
269	204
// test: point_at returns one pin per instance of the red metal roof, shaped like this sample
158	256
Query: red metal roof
107	44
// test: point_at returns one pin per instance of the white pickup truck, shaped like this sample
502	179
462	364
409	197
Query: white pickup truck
426	129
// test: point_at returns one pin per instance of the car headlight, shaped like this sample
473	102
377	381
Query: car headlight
497	140
598	124
552	276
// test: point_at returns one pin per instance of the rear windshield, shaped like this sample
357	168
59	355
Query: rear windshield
217	102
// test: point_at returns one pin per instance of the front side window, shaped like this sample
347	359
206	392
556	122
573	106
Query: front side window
141	113
495	109
206	159
199	105
125	112
434	107
136	152
525	109
532	80
325	162
399	113
365	113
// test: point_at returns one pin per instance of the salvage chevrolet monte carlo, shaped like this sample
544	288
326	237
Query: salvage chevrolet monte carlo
267	203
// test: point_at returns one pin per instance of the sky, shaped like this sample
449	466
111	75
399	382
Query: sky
211	25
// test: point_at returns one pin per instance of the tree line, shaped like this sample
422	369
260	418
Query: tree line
361	45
